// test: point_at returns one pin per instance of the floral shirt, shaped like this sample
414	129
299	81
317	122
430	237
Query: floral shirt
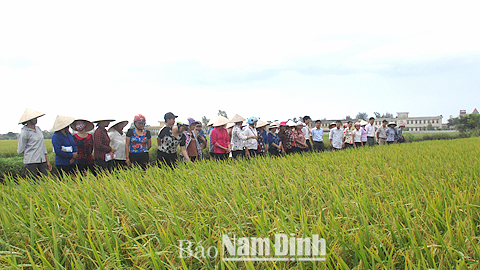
300	136
348	135
138	144
85	149
261	144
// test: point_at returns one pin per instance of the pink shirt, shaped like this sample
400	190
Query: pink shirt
220	137
364	134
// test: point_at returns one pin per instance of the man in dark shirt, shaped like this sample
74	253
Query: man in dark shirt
168	139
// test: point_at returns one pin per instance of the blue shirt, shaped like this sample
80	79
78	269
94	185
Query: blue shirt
391	134
202	133
264	134
61	145
317	134
271	138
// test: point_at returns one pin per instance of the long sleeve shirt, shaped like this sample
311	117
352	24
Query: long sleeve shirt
364	134
118	142
370	130
31	145
251	144
101	143
238	138
336	135
64	146
220	138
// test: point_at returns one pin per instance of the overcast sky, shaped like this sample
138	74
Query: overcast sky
271	60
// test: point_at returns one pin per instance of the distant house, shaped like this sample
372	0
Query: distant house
475	111
154	130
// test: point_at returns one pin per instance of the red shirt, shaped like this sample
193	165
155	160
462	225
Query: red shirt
101	143
220	137
85	149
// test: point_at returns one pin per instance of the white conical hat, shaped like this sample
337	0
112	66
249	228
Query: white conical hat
30	114
261	123
220	121
210	123
118	122
104	119
237	118
62	122
363	123
88	125
229	125
290	123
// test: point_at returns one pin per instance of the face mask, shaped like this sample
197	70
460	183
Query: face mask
33	121
80	127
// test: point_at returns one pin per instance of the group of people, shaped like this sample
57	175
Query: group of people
238	137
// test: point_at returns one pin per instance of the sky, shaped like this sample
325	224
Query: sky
271	59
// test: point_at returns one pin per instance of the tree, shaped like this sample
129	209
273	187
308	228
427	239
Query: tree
430	127
387	115
222	113
469	125
205	123
362	115
453	121
377	114
348	117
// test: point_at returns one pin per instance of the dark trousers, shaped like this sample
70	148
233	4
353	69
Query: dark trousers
221	156
101	165
139	159
118	164
167	159
65	169
371	141
238	153
358	144
348	145
273	151
252	152
365	143
310	148
192	159
318	146
289	151
85	167
35	170
390	142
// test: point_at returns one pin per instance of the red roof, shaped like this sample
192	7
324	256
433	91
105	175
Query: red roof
475	111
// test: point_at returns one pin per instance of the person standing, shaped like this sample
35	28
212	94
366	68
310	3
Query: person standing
262	137
31	144
118	140
273	141
64	145
336	137
300	140
391	133
401	138
348	138
201	134
192	141
363	123
168	139
382	133
317	137
370	128
357	136
220	140
287	138
251	145
211	148
102	152
138	143
84	143
238	138
306	131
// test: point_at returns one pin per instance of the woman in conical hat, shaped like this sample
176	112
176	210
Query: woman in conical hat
118	140
64	145
102	152
31	145
84	141
220	139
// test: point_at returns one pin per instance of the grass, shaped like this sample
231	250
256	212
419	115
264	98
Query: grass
399	206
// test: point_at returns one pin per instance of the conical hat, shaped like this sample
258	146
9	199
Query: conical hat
290	123
237	118
261	123
119	122
229	125
363	123
30	114
88	125
220	121
103	119
392	123
62	122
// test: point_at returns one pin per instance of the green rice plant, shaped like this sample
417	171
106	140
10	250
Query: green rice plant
394	207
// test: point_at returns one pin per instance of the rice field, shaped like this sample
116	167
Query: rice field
409	206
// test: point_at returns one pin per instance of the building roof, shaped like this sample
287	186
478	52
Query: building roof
475	111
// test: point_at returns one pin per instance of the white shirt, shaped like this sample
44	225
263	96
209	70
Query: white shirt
238	139
358	135
118	141
336	134
370	130
250	143
31	145
307	132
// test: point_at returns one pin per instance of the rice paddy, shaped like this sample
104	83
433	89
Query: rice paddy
408	206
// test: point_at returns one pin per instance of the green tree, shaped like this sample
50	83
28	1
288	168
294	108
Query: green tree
205	123
377	114
469	125
362	115
453	121
430	127
387	115
348	118
222	113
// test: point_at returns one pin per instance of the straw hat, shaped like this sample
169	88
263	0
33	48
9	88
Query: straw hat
119	122
275	124
210	123
30	114
290	123
392	123
62	122
363	123
237	118
89	125
230	125
332	124
220	121
261	123
104	119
